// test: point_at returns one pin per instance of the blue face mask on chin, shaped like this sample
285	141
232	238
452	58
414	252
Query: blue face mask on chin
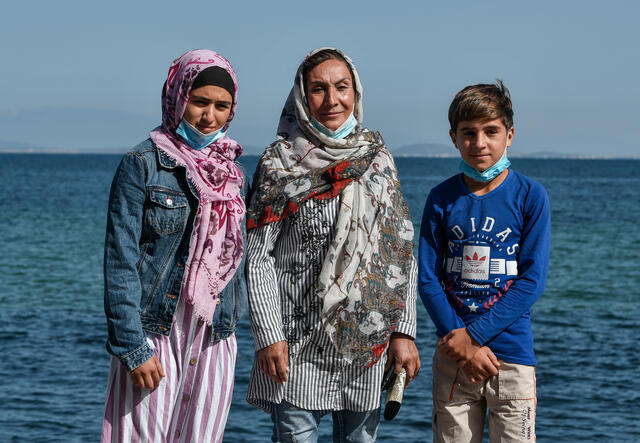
488	174
344	129
196	139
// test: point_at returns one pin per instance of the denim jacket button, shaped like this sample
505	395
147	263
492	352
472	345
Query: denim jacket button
171	296
217	301
169	201
217	336
180	264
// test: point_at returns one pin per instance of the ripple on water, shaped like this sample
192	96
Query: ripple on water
53	330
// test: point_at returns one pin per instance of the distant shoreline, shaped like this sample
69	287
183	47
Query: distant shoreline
395	155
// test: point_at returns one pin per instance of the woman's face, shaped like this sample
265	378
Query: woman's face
330	93
208	108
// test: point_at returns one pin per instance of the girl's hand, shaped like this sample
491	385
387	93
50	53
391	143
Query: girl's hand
148	374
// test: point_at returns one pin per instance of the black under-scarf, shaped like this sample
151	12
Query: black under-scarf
216	76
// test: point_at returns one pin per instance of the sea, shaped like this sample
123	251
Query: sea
53	363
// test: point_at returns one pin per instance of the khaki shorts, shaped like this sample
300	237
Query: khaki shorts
460	407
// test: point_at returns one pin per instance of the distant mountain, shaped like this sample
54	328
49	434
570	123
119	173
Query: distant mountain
425	150
556	155
448	151
89	130
12	147
73	130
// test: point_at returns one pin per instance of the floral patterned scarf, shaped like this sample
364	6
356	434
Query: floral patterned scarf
363	281
216	244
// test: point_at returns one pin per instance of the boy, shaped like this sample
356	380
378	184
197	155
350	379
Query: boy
484	252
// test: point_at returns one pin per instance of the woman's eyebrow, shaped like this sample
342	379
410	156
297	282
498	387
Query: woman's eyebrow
208	100
200	97
321	82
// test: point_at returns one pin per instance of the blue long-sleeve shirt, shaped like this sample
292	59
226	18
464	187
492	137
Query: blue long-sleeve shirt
483	261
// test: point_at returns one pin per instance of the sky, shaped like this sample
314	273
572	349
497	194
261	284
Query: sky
84	75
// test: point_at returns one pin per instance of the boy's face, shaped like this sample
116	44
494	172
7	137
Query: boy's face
481	142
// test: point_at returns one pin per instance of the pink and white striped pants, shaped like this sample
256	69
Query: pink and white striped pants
193	399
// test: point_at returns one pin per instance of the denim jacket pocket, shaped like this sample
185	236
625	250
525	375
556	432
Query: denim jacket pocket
167	212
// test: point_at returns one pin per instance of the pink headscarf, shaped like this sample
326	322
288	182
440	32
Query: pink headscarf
216	244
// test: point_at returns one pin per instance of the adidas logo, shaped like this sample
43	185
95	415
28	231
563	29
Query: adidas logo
475	261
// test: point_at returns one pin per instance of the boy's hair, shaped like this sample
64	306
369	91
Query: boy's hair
482	101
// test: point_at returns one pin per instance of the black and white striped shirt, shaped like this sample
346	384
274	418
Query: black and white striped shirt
283	261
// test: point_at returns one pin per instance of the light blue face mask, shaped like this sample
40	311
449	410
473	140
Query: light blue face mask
488	174
344	129
196	139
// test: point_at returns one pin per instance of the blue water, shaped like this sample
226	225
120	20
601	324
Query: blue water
53	367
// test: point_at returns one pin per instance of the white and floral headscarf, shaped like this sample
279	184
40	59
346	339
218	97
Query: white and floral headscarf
364	278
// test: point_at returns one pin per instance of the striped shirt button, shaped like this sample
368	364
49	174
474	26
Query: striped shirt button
177	433
200	322
193	361
185	397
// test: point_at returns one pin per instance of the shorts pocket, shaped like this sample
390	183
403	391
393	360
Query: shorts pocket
445	372
516	382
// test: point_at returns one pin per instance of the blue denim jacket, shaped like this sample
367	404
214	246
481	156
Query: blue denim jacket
152	208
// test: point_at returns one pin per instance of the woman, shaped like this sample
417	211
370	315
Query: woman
174	281
331	273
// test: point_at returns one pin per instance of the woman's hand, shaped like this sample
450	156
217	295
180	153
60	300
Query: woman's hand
459	346
148	374
274	361
404	353
482	365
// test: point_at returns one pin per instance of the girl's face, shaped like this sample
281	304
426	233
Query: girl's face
208	108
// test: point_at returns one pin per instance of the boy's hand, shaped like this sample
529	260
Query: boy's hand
482	365
459	346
